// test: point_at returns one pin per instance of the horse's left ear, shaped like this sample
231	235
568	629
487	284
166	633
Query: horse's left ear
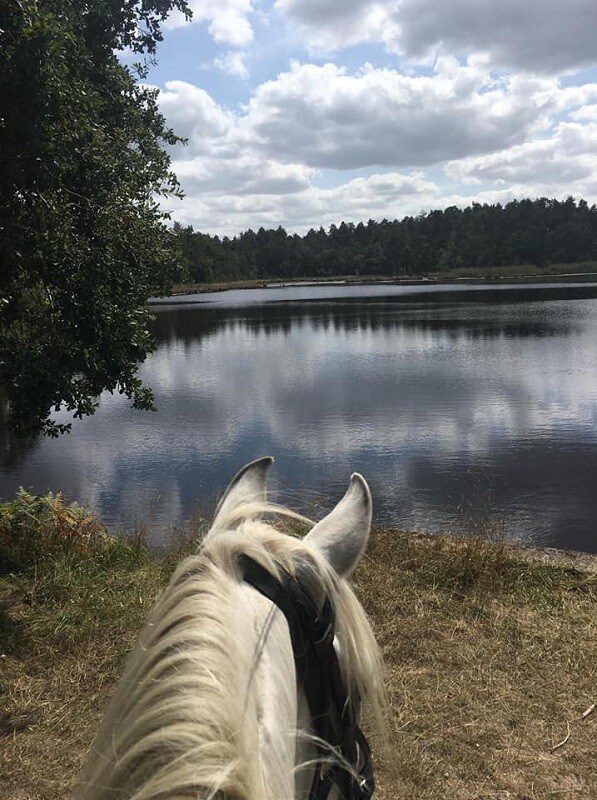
342	536
248	486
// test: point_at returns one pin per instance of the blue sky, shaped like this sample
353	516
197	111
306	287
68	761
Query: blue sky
308	112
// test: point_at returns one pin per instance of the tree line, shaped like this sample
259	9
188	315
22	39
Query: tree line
535	232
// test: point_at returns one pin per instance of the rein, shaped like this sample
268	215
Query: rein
318	673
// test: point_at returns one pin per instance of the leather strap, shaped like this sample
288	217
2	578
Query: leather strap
318	673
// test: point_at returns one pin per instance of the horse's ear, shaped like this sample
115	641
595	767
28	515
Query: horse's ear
342	536
247	486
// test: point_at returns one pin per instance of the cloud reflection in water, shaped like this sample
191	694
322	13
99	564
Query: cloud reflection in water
453	412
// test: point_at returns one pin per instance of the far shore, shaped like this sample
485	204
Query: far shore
585	272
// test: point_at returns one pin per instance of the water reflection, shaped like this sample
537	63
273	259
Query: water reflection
453	410
186	325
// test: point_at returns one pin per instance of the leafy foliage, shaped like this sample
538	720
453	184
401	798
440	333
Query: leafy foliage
36	528
538	232
82	241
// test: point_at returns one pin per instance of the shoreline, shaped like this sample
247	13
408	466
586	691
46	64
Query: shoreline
575	559
582	560
562	277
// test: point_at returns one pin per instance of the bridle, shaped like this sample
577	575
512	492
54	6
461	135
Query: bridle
333	720
318	673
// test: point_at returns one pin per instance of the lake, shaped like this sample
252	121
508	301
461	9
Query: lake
464	406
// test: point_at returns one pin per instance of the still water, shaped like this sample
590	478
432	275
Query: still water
459	405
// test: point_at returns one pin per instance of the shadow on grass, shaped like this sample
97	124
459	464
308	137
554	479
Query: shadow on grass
13	631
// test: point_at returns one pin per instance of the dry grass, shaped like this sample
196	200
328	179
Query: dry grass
491	659
62	643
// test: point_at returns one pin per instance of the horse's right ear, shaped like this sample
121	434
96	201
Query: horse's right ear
248	486
342	536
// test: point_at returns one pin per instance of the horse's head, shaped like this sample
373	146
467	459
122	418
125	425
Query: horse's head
248	677
311	572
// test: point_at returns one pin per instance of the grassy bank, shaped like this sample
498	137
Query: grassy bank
491	657
585	271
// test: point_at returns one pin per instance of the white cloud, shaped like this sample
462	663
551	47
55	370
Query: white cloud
218	207
545	36
379	195
192	113
228	20
231	182
242	175
548	36
564	163
233	62
585	113
329	24
267	163
327	118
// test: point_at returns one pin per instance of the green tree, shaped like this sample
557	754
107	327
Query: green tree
83	242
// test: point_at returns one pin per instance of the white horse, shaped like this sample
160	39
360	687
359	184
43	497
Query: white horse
213	702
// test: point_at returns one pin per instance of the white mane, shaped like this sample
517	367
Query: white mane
184	718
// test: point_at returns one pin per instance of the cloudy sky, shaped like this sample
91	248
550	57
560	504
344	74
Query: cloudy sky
307	112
